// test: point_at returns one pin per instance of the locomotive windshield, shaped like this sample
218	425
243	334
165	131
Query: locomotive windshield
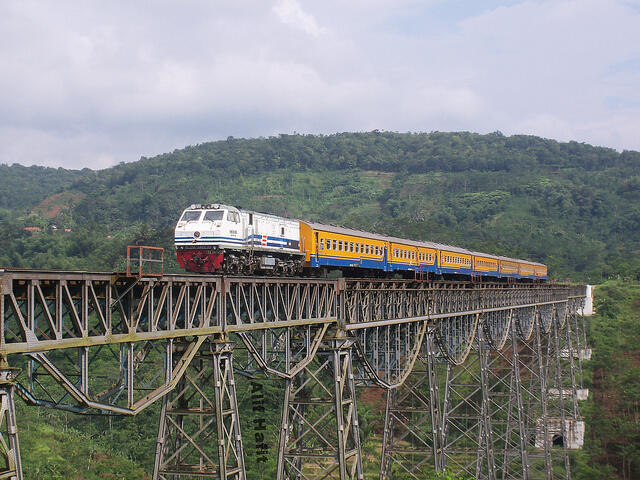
213	215
191	216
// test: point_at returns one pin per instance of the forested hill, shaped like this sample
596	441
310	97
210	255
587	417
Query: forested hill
570	205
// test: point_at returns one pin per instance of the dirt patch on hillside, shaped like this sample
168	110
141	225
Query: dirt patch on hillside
53	205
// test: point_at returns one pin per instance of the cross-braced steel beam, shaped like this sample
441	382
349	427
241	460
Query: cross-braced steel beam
412	435
319	436
10	462
199	434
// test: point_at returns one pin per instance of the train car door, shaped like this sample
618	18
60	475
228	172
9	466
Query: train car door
281	232
250	230
386	260
316	246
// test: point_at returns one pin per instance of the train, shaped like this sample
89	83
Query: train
216	238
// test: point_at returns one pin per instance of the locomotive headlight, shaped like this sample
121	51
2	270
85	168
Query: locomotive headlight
196	234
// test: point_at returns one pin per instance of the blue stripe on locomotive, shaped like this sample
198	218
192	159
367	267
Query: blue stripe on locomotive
273	242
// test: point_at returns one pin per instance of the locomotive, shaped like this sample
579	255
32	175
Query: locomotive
216	238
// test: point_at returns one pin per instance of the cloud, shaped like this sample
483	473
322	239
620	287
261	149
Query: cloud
99	83
291	13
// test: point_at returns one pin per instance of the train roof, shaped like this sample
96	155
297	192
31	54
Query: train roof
485	255
388	238
415	243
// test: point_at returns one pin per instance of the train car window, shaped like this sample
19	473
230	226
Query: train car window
251	219
351	246
367	248
377	250
339	245
322	244
191	216
335	244
213	215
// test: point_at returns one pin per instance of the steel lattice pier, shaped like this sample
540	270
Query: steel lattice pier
480	379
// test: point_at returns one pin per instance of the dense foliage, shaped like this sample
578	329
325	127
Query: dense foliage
570	205
521	196
612	414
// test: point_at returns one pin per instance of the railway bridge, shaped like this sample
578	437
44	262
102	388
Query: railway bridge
479	379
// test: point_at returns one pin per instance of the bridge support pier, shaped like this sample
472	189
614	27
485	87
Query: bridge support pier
319	436
412	429
10	461
467	431
199	433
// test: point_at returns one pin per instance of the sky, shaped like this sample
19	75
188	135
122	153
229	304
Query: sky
95	83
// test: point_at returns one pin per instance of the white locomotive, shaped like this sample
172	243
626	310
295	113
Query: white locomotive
214	238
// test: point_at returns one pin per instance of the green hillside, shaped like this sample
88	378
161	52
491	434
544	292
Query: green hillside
570	205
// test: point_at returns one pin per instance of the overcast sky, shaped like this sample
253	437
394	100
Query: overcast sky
94	83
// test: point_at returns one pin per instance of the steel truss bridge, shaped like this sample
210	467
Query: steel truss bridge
481	380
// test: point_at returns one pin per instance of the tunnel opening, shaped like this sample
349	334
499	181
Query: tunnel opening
557	440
